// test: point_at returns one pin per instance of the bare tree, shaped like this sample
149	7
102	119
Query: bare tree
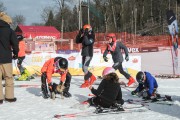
2	7
45	13
18	19
61	4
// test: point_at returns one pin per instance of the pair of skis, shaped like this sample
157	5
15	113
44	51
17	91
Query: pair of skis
100	111
166	100
97	112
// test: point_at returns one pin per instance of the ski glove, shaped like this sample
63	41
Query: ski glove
15	57
133	92
81	31
127	58
105	59
50	86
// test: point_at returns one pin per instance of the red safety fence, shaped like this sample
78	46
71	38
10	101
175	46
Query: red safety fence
130	40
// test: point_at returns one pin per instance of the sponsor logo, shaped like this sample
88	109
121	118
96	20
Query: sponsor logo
135	60
133	50
71	58
45	37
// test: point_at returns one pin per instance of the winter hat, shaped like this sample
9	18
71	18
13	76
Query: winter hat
108	70
5	17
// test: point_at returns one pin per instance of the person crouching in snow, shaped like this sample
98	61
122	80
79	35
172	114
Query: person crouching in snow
108	94
55	65
148	85
115	47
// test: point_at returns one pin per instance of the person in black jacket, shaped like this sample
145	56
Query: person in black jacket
8	44
115	48
108	92
86	37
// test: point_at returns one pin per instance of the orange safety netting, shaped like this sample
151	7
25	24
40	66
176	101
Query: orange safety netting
130	40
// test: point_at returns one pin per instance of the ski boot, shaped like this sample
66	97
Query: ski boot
98	109
45	94
118	107
53	95
167	98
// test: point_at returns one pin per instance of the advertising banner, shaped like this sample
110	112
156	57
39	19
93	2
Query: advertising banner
34	63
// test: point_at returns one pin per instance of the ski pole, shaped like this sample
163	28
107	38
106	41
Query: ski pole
32	68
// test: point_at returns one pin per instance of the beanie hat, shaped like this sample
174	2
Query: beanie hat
5	17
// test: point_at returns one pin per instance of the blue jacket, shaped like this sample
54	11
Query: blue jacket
150	84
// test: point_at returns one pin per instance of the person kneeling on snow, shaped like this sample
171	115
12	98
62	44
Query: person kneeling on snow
55	65
147	86
108	94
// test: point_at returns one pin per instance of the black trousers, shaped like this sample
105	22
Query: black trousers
120	68
66	84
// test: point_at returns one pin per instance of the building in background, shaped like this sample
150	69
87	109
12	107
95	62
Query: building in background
39	38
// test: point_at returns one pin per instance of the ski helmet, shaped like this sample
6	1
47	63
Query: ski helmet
107	71
112	35
87	26
20	37
140	77
63	63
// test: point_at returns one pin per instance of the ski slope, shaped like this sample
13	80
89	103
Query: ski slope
31	106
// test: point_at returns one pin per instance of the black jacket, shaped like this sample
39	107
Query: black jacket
108	91
87	44
8	43
117	54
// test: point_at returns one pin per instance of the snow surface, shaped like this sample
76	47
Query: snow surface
31	106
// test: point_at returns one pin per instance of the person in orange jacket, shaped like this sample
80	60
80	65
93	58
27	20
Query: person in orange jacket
21	53
55	65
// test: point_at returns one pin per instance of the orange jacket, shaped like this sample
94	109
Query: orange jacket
21	52
49	68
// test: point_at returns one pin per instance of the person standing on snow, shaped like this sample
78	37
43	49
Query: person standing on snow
8	44
86	37
147	85
108	93
115	48
55	65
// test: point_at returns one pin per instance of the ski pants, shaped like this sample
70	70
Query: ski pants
6	71
44	84
119	66
19	64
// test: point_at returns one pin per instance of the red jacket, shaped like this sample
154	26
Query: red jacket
50	67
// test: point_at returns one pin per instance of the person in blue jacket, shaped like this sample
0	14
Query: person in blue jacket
147	85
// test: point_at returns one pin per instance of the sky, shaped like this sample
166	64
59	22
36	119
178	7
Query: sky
30	9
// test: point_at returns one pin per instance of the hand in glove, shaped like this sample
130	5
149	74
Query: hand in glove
127	58
81	31
133	92
105	59
15	57
50	86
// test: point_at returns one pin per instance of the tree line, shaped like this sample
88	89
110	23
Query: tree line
144	17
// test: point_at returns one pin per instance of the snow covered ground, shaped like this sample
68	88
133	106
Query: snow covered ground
31	106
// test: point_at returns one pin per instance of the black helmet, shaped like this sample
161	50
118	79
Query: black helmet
20	37
63	63
140	77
